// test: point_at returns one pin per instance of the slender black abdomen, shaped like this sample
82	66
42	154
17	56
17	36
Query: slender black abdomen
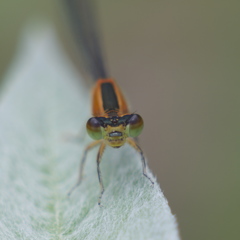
109	97
82	15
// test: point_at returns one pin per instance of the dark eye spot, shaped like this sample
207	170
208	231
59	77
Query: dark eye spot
93	123
135	119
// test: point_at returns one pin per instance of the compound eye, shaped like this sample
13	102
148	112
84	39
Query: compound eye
135	125
94	128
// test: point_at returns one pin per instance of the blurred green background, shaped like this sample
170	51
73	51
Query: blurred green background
179	63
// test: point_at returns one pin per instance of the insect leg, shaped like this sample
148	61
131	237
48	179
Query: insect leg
99	157
133	143
90	146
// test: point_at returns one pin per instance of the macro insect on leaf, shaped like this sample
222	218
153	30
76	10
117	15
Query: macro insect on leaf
112	123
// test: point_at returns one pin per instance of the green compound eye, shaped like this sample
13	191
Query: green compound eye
135	125
94	128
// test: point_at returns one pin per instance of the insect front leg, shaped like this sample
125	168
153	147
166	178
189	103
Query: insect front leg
132	143
99	157
90	146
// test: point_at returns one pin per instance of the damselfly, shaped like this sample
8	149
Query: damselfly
112	123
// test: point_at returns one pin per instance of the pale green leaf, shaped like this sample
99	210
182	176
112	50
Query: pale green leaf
43	100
